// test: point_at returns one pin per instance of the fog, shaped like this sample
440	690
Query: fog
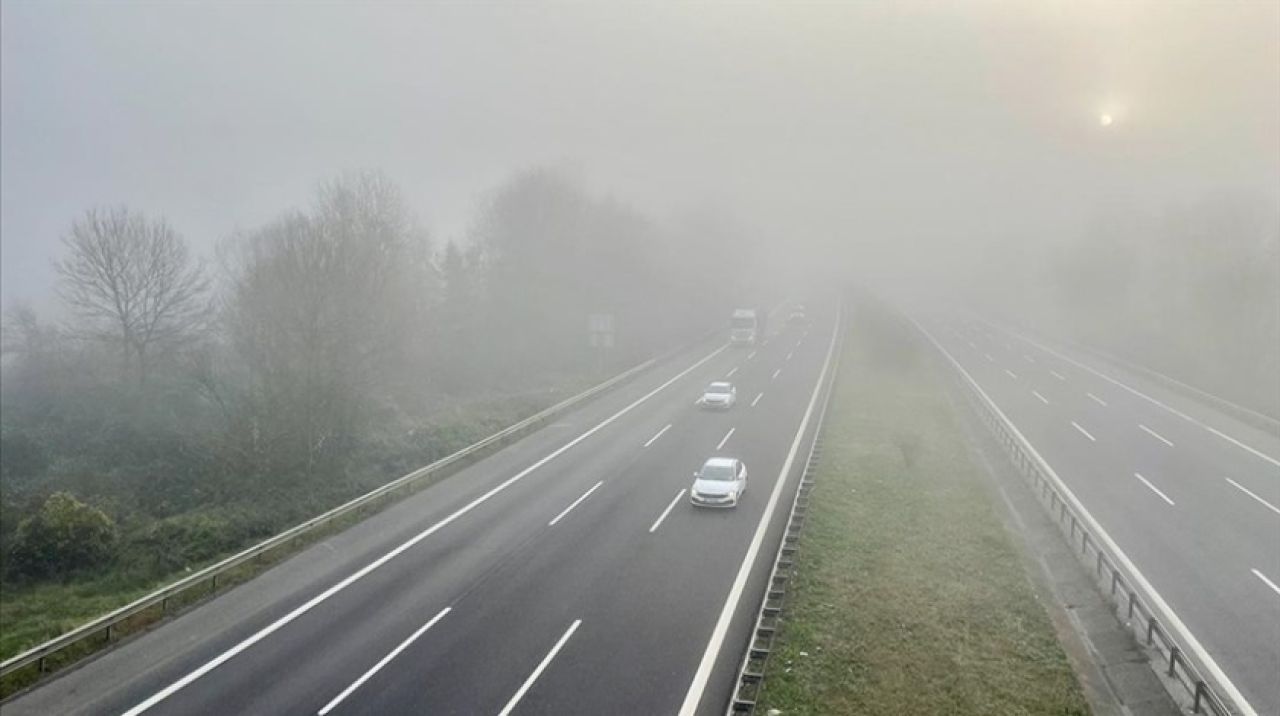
258	258
972	148
927	127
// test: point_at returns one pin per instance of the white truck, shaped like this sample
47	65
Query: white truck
744	327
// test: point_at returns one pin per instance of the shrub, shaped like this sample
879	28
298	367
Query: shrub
63	536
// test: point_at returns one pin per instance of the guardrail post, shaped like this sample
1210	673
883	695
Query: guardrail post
110	632
41	665
1173	657
1151	630
1195	704
1131	598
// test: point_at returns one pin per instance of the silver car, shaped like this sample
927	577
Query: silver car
719	396
720	483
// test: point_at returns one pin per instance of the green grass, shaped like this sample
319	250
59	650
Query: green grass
910	597
33	613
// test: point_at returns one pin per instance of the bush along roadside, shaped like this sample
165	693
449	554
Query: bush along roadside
908	597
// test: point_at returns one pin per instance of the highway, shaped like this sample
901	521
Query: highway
566	573
1191	495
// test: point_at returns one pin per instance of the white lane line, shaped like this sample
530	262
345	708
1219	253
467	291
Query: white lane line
751	355
726	438
654	439
757	399
1011	374
730	373
1173	621
1154	434
988	357
1057	375
385	660
576	502
775	373
1083	432
310	604
1028	358
700	678
1249	492
1144	396
1154	489
1268	582
524	688
667	511
1041	397
790	354
1097	400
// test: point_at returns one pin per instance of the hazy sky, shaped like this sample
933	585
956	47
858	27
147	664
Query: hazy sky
916	125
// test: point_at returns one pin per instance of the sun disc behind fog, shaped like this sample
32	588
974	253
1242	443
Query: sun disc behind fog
1105	120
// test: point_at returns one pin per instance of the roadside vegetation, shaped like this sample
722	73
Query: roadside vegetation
180	410
910	597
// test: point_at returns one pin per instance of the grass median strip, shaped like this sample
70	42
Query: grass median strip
910	597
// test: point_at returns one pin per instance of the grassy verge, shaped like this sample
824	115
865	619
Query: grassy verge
33	613
910	597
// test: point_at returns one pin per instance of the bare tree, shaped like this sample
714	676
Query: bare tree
323	308
131	280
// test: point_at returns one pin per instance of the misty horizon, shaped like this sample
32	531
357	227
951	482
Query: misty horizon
894	135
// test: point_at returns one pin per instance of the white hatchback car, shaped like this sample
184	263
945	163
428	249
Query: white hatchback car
719	396
720	483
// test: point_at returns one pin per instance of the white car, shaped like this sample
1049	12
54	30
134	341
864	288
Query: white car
720	483
719	396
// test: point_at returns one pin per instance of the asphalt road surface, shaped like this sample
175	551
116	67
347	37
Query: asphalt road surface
1191	495
566	574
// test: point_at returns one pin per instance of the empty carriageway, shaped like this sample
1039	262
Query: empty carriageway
1190	494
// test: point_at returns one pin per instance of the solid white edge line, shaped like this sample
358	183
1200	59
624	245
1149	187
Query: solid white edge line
1249	492
1083	432
576	502
1154	489
385	660
1154	434
757	399
1096	399
363	571
1174	621
700	678
663	516
1041	397
726	438
524	688
1144	396
1268	582
654	439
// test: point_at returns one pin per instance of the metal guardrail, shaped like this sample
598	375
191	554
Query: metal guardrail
746	689
105	627
1129	591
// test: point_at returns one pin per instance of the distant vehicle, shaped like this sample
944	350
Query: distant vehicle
719	396
798	317
744	328
720	483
